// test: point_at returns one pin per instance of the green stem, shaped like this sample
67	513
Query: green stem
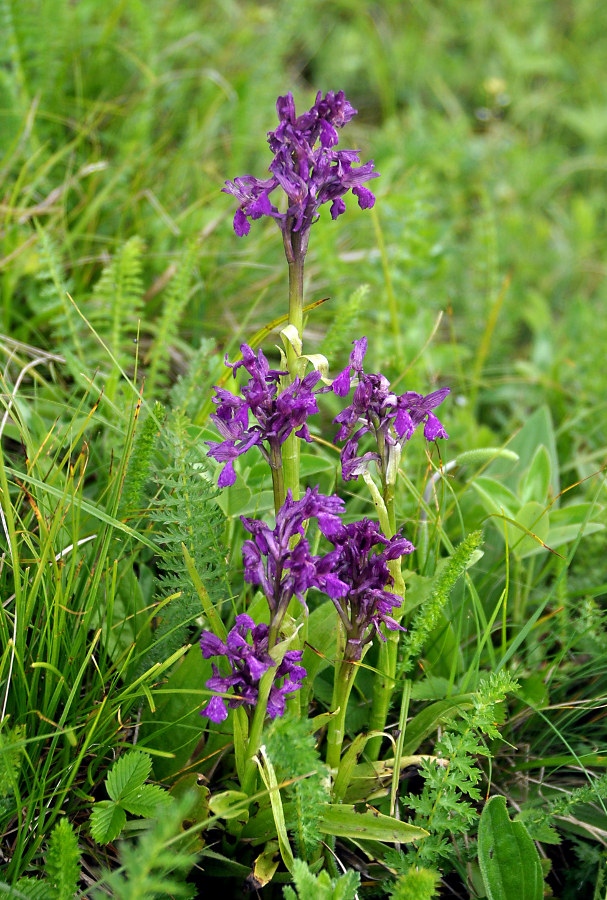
383	687
295	249
345	672
250	768
278	481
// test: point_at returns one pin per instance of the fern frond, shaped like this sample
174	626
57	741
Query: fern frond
140	462
116	306
427	615
345	323
175	300
185	512
190	389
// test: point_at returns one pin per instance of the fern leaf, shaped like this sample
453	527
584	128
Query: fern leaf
140	461
416	884
116	306
185	512
190	390
428	614
175	301
62	868
345	323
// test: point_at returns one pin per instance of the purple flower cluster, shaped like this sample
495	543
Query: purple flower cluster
306	167
284	568
391	418
277	414
367	604
248	661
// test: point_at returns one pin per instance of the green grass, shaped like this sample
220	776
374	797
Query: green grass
123	285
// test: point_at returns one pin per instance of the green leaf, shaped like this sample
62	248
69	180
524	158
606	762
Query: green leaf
427	721
532	517
228	804
145	800
509	861
344	821
268	775
12	744
535	482
127	774
107	821
62	869
495	497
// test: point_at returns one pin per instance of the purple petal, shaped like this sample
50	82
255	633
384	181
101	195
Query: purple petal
211	645
341	384
228	476
366	198
337	208
216	710
434	429
241	225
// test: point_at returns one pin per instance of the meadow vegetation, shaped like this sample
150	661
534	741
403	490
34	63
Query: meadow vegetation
481	266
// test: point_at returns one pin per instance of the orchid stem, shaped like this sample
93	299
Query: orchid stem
383	687
296	253
345	672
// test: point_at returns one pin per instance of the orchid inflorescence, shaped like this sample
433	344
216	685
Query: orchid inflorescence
306	167
361	567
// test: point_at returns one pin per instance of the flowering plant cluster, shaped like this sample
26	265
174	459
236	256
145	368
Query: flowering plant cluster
356	565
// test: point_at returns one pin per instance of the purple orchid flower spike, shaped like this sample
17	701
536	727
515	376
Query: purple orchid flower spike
283	568
375	409
276	414
307	168
366	605
248	661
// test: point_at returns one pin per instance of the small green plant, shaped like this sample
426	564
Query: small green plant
128	793
320	887
62	869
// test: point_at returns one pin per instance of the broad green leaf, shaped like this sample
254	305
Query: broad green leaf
533	518
495	497
564	534
538	429
344	821
535	482
234	499
509	861
268	776
265	865
427	721
573	514
176	726
228	804
348	764
107	821
145	800
128	773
